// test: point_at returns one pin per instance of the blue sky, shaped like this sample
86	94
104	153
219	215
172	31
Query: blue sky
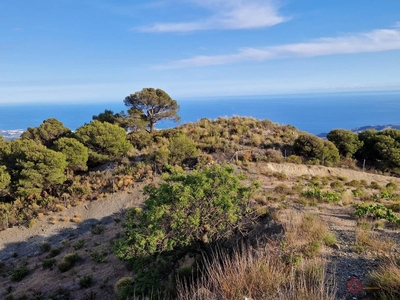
98	50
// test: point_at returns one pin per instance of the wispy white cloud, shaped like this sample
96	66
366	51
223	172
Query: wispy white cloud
227	14
374	41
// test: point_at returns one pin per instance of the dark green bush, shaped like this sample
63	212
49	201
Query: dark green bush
48	263
97	229
86	281
19	274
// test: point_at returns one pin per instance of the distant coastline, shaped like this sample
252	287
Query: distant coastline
313	113
11	134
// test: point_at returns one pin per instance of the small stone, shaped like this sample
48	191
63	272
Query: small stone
336	246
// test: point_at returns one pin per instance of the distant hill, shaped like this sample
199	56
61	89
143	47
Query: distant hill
362	128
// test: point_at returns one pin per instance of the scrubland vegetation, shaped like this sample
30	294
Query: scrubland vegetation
215	223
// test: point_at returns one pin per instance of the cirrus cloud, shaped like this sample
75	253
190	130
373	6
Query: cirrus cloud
227	14
373	41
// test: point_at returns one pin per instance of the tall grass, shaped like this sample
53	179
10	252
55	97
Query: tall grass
261	274
387	279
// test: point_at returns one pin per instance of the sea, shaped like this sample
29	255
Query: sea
314	113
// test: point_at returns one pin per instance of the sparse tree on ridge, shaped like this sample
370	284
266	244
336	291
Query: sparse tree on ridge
105	141
153	105
346	141
312	148
106	116
47	133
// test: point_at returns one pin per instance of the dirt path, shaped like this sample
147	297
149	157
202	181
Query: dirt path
57	227
298	170
347	265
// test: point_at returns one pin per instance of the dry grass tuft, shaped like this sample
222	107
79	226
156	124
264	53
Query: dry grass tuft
64	219
305	234
76	219
387	279
369	240
258	275
59	207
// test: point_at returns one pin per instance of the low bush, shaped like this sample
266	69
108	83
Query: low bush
19	274
68	262
97	229
329	239
374	185
376	211
124	288
54	252
337	185
86	281
79	244
45	247
353	183
48	263
100	257
325	196
280	176
283	189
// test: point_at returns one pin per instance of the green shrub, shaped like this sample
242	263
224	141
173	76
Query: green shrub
64	265
100	257
329	239
86	281
45	247
353	183
31	223
311	249
386	194
376	211
187	210
68	262
374	185
337	185
97	229
124	288
280	176
72	257
358	192
79	244
60	294
325	181
19	274
48	263
326	196
283	189
54	252
294	159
